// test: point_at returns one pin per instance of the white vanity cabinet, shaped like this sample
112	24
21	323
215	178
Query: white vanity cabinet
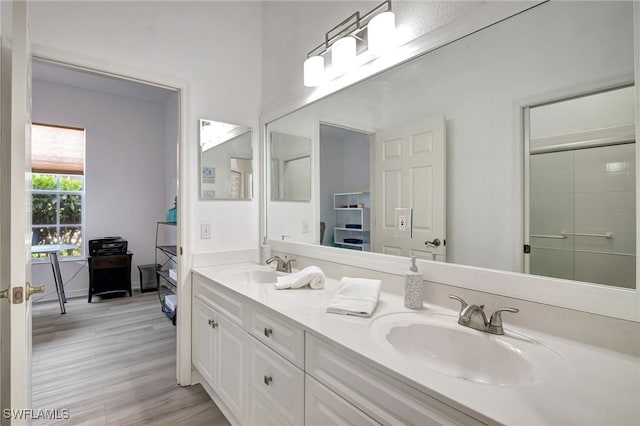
219	353
265	368
323	407
276	388
385	399
230	360
257	382
276	362
204	340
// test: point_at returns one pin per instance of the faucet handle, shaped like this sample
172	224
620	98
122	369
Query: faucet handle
287	264
495	323
463	304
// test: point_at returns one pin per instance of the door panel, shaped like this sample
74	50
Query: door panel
409	172
391	196
15	211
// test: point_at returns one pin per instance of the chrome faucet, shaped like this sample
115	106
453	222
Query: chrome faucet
473	316
283	265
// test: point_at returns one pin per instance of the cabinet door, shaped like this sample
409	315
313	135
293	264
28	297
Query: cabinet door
204	343
323	407
230	366
276	388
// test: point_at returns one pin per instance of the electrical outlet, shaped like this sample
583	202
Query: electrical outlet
305	226
205	231
402	223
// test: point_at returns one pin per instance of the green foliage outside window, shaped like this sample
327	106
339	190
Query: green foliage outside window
52	207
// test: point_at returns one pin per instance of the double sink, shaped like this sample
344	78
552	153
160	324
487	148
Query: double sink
436	341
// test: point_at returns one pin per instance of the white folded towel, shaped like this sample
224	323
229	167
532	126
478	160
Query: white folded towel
356	296
311	275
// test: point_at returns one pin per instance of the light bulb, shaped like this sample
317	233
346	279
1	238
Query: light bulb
381	33
343	54
313	71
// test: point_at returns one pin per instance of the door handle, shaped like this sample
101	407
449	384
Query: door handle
435	242
33	290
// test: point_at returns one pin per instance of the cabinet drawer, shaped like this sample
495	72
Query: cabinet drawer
102	262
276	388
222	300
384	398
323	407
279	334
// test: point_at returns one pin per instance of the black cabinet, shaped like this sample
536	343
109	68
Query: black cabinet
109	274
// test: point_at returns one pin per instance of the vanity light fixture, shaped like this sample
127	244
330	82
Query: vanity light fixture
375	28
381	33
343	54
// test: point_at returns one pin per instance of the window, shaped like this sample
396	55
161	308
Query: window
57	194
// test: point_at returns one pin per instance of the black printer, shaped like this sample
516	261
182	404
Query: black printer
107	246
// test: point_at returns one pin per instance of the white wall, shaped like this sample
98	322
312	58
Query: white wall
293	28
124	174
171	151
214	48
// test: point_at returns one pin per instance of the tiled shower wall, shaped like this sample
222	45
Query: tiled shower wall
587	191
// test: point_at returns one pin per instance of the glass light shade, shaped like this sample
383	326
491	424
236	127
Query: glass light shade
381	33
313	71
343	54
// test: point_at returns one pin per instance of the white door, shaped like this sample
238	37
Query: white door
409	172
15	214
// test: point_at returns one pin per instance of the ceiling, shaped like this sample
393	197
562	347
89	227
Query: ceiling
54	73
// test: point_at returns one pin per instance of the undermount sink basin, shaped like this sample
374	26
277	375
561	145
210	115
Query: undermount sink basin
438	342
257	275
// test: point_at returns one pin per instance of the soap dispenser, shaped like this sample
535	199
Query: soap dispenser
413	289
265	251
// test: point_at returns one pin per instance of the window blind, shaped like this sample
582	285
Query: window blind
57	149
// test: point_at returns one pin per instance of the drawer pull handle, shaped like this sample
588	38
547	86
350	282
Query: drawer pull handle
268	380
268	332
213	324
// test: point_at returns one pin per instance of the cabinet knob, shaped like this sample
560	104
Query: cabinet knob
213	324
268	380
268	332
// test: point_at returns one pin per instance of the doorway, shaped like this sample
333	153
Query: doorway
345	184
132	172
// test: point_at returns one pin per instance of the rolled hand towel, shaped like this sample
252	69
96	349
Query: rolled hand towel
356	296
311	275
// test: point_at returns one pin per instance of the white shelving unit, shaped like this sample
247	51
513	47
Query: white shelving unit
353	229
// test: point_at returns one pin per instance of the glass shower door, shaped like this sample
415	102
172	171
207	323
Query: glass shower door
552	214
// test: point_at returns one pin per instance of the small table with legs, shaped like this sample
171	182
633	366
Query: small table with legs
52	251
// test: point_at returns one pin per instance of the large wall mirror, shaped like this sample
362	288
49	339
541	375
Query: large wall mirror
225	161
512	148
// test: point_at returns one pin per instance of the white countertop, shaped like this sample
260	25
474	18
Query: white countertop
603	387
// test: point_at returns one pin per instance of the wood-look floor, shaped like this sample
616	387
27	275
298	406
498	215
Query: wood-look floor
113	362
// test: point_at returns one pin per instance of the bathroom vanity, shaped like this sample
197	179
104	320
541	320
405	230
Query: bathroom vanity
276	357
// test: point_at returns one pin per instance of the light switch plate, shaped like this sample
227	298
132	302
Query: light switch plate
205	231
402	224
305	226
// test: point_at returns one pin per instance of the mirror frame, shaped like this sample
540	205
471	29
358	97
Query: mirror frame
598	299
